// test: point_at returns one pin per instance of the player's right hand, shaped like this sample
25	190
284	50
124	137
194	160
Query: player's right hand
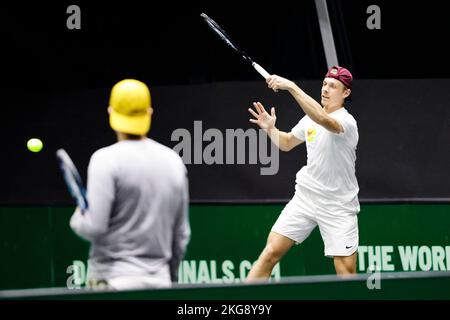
263	119
276	83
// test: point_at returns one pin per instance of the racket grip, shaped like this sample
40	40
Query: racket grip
261	70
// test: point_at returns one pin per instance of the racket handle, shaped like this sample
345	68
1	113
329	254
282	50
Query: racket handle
261	70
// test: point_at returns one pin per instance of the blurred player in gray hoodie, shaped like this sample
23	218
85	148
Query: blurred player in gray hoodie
137	190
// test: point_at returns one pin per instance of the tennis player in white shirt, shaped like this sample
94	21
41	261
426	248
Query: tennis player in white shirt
326	191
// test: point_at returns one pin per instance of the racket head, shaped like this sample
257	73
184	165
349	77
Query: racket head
72	178
223	35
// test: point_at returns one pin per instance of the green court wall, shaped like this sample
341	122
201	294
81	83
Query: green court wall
38	248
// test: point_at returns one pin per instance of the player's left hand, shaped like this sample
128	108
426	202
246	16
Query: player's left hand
276	83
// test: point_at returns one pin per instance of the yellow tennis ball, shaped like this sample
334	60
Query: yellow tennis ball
34	145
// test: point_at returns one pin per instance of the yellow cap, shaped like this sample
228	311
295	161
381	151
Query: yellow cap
130	104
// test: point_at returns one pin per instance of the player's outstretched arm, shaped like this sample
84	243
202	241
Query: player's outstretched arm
285	141
310	106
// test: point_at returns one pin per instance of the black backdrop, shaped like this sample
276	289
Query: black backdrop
403	150
55	85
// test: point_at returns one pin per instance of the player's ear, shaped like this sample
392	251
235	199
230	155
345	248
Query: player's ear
150	110
109	110
347	92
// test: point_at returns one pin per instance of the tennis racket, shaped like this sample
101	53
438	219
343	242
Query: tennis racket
221	33
72	179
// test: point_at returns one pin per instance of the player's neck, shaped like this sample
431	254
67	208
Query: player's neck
331	109
125	136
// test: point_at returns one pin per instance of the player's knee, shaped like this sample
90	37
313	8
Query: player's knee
345	271
345	266
271	255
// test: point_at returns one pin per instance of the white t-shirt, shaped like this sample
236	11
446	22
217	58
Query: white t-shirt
330	168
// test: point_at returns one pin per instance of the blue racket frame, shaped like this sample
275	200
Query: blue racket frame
72	179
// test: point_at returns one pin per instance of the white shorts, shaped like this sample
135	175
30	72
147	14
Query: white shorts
338	225
133	283
129	283
160	278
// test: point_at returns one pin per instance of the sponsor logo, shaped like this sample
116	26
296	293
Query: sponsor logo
311	134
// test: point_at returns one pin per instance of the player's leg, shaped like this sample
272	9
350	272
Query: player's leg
277	245
345	265
293	226
339	230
